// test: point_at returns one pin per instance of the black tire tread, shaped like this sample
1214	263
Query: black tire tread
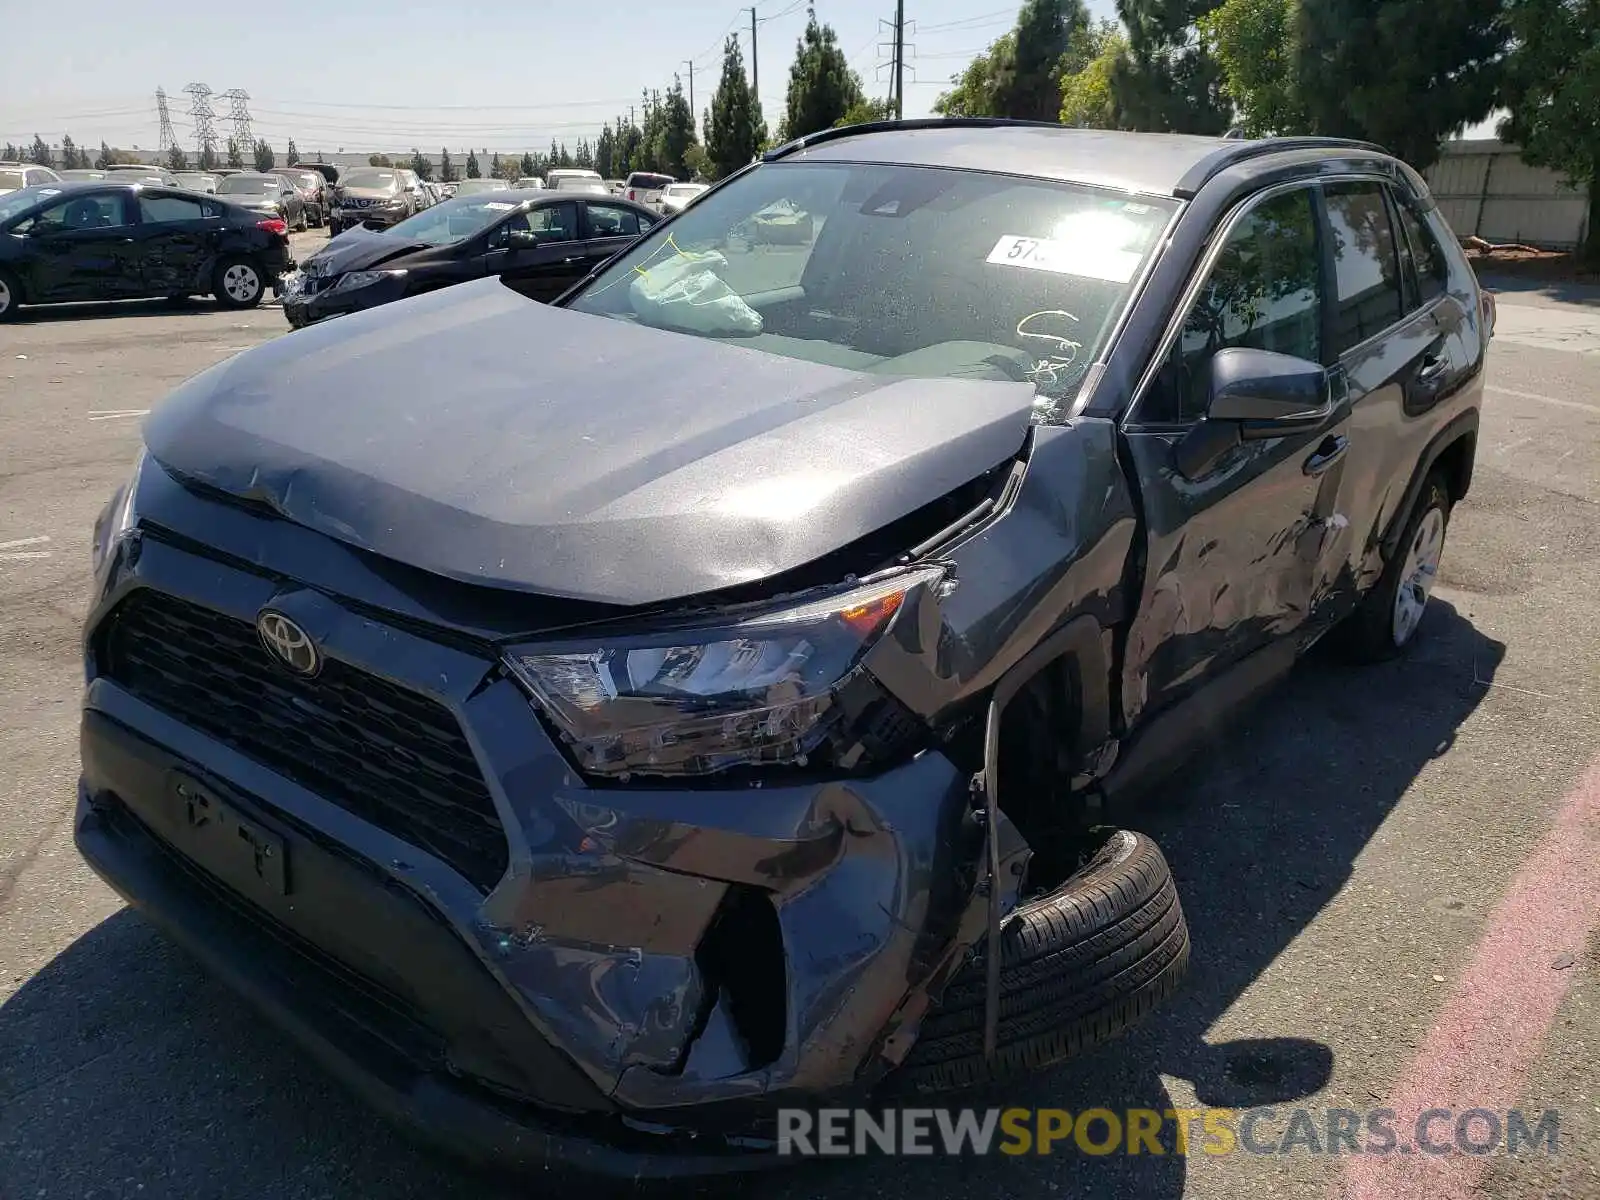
1077	968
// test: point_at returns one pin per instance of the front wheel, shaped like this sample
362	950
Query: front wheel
10	296
1387	618
238	283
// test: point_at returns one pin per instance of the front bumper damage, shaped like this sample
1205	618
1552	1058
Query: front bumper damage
654	971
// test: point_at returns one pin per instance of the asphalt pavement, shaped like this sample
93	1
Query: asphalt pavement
1365	862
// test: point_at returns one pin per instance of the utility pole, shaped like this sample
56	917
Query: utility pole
899	59
689	62
755	71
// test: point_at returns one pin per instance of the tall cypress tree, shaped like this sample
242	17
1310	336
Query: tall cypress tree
735	128
822	87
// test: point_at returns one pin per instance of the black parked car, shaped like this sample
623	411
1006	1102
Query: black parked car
545	243
587	725
266	194
115	241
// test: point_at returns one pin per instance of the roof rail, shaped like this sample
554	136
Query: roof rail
844	131
1235	150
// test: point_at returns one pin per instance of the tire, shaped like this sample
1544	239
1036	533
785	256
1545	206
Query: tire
10	296
1077	967
333	228
1383	625
238	283
304	224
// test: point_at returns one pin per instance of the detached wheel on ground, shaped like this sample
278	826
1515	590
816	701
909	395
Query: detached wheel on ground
1077	967
1386	620
10	296
238	283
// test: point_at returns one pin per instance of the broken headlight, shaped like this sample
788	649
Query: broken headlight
777	687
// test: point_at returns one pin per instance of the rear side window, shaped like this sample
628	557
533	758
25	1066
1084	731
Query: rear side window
649	182
1366	267
610	220
1264	292
1426	255
162	210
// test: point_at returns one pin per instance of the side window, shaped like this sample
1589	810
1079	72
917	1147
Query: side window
81	212
1427	256
1366	269
607	220
163	210
1264	291
555	222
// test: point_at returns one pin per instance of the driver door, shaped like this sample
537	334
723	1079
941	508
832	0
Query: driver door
82	248
552	262
1237	534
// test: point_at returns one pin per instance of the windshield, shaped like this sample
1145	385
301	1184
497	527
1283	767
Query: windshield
917	271
250	185
684	189
368	179
19	202
452	221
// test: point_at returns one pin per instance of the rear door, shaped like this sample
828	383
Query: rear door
1393	344
174	240
1234	543
608	229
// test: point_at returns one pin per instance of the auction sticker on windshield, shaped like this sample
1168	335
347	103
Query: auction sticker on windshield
1065	258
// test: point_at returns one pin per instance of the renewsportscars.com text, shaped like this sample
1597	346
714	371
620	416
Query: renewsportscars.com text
1184	1131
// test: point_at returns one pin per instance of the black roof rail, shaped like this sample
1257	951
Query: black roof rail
844	131
1234	151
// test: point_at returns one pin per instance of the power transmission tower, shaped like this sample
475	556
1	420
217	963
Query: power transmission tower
205	134
167	139
239	113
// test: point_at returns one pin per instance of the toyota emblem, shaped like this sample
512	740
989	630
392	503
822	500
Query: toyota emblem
288	643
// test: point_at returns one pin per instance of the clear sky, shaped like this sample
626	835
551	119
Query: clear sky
392	74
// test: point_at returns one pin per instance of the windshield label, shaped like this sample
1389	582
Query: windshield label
498	205
1065	258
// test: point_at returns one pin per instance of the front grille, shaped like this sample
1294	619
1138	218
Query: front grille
390	755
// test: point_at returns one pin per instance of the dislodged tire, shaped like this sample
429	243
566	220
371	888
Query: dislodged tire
1077	967
1385	621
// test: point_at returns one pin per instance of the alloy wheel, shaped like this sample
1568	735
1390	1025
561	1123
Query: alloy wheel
1421	569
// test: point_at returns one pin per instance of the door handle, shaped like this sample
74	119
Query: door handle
1432	369
1329	451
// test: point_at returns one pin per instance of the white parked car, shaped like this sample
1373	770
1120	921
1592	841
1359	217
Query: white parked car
533	182
583	186
471	187
15	176
678	196
645	187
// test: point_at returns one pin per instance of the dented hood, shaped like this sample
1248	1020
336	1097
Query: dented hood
477	435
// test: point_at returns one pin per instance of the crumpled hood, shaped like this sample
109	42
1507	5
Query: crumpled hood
356	249
478	435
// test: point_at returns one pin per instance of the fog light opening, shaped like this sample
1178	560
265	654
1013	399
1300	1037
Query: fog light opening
742	964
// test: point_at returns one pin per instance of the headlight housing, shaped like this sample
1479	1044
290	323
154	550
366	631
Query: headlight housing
361	279
116	519
781	687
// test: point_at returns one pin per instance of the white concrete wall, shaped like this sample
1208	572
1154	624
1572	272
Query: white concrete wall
1485	189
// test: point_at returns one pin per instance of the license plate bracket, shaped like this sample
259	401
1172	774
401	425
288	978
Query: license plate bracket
233	845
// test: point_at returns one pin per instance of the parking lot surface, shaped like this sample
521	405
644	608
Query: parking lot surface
1390	873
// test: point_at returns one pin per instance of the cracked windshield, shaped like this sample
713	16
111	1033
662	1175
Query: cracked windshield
915	271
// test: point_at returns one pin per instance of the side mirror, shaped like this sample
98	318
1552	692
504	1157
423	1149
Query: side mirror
522	239
1266	393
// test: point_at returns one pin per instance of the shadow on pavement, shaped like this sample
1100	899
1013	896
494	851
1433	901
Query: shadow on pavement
46	314
1567	291
125	1066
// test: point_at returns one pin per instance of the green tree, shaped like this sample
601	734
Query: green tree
864	110
605	152
1028	83
103	161
1086	100
291	154
39	152
379	160
1552	89
735	128
177	160
264	157
699	164
974	92
420	164
674	133
235	155
526	166
208	157
496	170
822	87
1256	45
69	153
447	169
11	153
473	170
1403	73
1167	81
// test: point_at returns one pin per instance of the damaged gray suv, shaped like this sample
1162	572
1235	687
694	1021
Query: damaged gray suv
588	727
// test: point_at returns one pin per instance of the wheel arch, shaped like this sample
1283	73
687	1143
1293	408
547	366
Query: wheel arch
1452	450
